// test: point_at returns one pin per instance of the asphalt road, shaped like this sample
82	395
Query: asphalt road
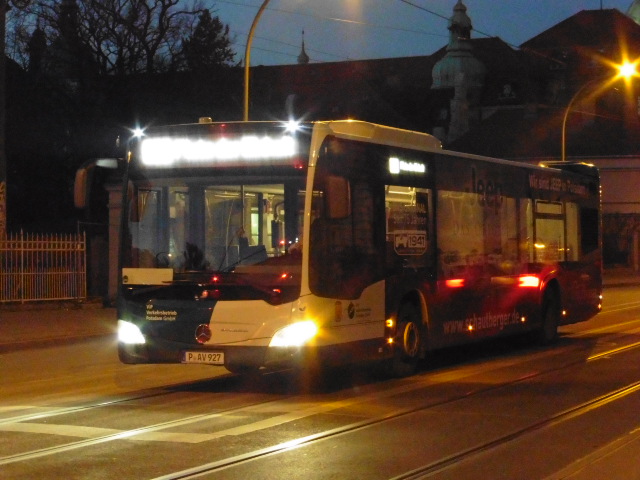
502	410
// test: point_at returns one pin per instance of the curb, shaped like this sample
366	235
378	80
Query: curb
51	305
49	342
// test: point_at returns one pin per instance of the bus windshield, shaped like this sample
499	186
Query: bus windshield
191	224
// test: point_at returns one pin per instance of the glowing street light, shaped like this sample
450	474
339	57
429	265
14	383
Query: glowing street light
626	71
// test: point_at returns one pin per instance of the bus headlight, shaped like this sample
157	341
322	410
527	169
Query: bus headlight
294	335
129	333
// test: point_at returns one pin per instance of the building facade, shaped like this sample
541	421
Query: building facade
486	97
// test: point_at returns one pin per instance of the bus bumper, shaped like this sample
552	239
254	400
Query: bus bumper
246	358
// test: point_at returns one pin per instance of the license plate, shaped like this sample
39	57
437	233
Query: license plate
210	358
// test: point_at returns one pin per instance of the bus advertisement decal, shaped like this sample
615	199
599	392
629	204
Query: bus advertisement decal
482	323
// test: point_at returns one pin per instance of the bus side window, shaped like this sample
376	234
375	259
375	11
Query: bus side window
550	242
407	232
345	251
338	197
478	239
572	222
589	230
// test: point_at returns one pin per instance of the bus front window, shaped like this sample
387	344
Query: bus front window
206	227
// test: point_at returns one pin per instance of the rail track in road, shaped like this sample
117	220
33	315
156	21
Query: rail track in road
441	464
422	472
524	367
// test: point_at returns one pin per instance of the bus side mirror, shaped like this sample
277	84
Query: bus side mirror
338	197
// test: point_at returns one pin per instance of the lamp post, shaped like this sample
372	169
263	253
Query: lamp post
247	60
627	71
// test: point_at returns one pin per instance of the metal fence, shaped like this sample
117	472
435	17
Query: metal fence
36	267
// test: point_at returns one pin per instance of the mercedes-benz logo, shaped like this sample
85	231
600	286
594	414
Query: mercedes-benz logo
203	333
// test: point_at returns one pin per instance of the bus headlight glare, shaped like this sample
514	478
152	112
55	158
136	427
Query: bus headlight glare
129	333
294	335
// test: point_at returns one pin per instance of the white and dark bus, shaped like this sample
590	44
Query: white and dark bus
261	245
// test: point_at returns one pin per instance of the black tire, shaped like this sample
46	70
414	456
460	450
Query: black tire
408	343
550	318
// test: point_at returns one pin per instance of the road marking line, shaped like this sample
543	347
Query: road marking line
64	430
11	408
96	432
293	412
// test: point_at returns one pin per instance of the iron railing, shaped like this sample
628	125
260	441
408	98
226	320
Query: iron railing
40	267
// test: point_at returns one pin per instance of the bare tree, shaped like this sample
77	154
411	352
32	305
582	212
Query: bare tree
122	36
132	36
209	45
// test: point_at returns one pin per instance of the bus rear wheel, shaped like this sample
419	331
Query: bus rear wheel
548	332
407	342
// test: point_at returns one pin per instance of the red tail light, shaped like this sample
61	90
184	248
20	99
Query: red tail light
455	283
530	281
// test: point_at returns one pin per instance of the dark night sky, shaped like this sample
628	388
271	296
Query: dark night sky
337	30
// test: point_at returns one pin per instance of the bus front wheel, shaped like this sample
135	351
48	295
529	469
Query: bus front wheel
407	342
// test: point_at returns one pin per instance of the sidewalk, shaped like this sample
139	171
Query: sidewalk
32	325
620	276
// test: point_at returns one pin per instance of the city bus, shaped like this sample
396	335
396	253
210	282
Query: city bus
262	245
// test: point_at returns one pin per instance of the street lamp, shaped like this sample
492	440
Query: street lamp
627	71
247	60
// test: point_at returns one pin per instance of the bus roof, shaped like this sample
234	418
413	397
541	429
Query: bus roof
368	132
373	132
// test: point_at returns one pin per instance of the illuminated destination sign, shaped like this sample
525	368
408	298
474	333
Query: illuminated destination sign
397	166
169	151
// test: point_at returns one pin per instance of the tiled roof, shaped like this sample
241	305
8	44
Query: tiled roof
521	133
586	28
